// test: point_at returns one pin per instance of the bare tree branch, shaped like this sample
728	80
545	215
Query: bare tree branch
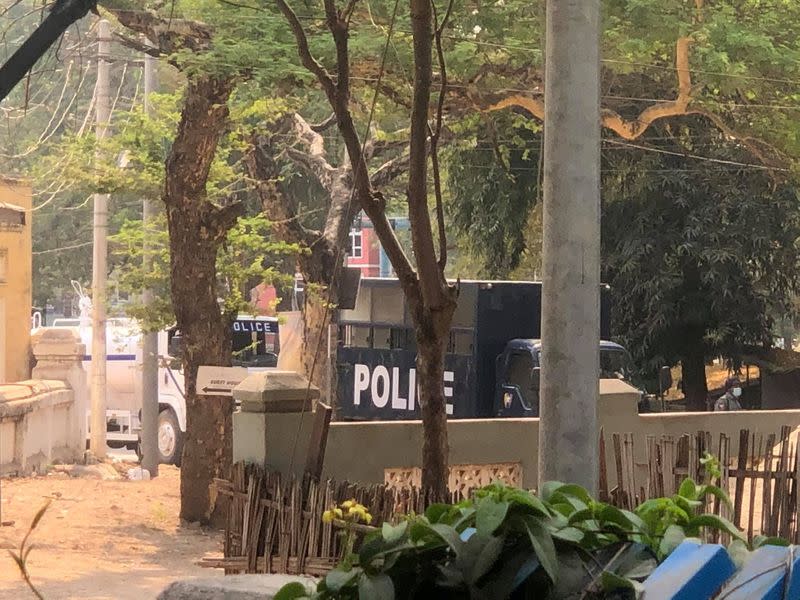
309	62
324	125
431	280
628	129
436	132
168	36
264	172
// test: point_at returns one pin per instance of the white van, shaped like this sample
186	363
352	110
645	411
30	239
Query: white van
255	345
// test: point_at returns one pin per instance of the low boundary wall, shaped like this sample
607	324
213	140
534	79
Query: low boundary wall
43	420
364	451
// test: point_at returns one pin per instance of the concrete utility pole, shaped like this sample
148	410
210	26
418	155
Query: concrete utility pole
97	443
149	340
571	254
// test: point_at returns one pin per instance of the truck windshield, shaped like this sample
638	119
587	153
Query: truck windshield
615	364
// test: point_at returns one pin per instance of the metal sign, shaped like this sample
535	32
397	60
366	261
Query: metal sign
382	385
219	381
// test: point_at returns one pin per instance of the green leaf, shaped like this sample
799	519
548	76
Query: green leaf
525	498
762	540
576	491
612	515
738	552
688	489
449	535
490	515
292	591
715	491
581	515
548	488
568	534
337	579
487	557
542	543
673	537
435	512
393	533
375	587
716	522
612	582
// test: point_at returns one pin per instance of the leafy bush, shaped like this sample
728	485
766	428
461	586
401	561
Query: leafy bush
507	543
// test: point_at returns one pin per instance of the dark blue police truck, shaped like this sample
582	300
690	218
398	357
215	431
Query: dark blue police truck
492	361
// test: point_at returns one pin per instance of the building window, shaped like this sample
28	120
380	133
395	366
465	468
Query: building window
356	244
3	265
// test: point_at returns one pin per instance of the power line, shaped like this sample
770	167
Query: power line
62	249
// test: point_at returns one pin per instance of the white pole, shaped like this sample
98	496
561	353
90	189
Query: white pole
150	456
568	439
97	443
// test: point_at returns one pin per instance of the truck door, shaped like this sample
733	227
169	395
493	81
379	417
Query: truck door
518	384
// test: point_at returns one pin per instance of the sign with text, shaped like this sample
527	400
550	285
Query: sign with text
382	385
219	381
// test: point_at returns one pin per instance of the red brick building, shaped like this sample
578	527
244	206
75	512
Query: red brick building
364	250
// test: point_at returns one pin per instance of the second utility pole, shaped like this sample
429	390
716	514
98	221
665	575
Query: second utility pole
97	440
150	454
571	250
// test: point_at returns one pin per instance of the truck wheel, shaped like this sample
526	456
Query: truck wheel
170	438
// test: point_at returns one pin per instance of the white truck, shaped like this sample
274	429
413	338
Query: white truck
256	345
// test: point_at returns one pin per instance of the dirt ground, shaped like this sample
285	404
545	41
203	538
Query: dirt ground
100	539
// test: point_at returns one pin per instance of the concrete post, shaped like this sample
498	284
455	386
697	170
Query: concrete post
571	249
149	436
99	254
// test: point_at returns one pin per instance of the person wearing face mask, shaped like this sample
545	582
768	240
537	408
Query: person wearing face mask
730	400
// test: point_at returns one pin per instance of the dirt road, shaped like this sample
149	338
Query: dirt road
119	540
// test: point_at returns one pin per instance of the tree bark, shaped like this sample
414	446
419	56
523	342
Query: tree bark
693	373
430	298
196	230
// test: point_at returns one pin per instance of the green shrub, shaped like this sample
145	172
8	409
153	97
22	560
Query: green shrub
505	542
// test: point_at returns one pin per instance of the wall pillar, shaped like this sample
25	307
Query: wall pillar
59	355
273	425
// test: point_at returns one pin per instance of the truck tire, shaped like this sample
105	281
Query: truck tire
170	438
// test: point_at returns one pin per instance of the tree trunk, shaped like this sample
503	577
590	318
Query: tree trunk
318	268
196	230
207	450
693	374
432	334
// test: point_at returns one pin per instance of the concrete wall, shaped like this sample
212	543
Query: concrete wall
15	286
36	426
360	451
43	420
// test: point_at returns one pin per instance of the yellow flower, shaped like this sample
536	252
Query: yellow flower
327	516
368	518
348	503
337	512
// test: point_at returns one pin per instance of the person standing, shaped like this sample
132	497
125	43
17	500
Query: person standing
731	399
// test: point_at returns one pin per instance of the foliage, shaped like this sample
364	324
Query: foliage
493	185
699	254
248	259
503	541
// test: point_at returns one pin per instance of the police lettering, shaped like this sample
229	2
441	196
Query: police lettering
385	389
250	326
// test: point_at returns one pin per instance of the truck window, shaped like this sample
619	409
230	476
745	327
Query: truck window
520	366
